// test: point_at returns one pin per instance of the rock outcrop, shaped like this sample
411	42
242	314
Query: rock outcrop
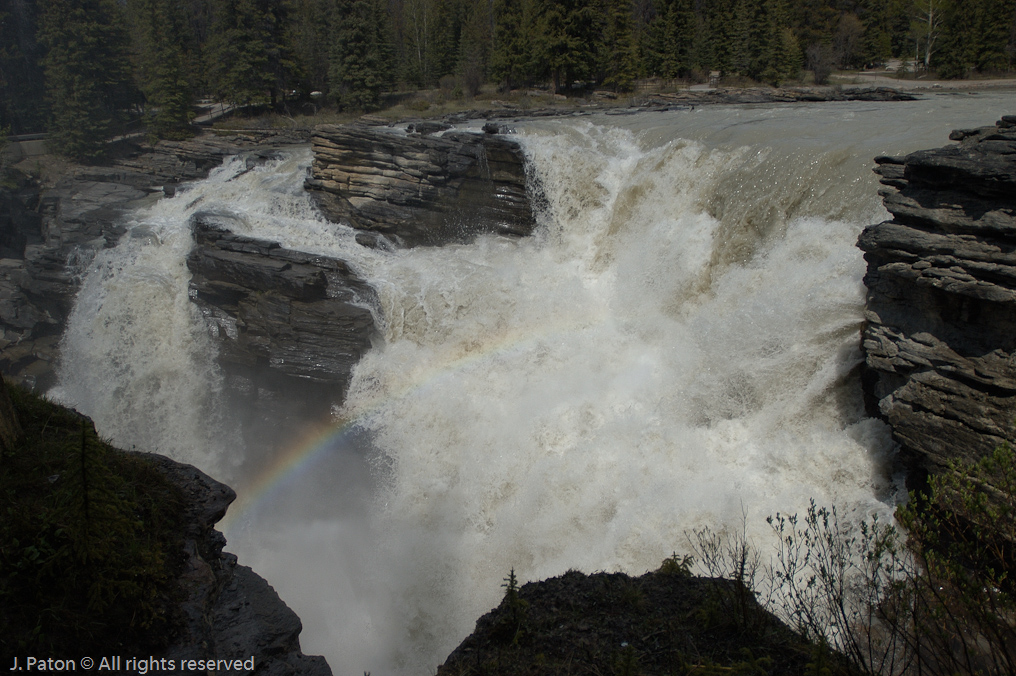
228	610
420	188
661	622
48	237
940	331
290	325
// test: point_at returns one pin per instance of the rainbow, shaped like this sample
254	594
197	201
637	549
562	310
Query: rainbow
304	453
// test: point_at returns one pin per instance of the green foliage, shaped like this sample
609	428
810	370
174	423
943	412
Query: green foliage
677	565
87	74
250	64
4	143
163	64
22	87
515	59
841	585
511	626
732	557
963	534
939	602
88	539
360	65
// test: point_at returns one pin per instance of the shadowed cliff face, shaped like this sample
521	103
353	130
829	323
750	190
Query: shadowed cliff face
419	188
940	337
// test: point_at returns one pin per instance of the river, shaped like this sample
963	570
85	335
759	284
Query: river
676	347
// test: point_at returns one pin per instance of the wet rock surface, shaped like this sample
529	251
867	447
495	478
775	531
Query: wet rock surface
940	332
290	325
49	236
427	186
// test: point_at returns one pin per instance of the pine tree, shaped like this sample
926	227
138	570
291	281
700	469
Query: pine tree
954	55
361	65
571	31
307	37
164	68
22	90
876	43
723	33
516	58
250	64
995	20
619	57
443	44
87	74
475	47
677	36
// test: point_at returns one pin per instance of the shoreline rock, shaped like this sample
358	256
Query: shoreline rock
940	325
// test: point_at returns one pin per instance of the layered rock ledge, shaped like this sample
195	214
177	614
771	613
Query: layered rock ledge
429	186
940	332
290	326
49	236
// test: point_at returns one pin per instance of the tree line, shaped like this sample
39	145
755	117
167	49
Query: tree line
79	68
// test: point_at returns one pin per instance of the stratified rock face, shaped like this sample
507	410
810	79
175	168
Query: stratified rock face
420	188
47	238
290	327
940	336
298	314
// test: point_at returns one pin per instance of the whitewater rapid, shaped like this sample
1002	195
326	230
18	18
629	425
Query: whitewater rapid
676	347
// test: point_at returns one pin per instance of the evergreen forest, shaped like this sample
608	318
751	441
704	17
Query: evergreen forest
81	70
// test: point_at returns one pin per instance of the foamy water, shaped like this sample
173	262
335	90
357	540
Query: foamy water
676	347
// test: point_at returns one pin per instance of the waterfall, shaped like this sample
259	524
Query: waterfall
676	347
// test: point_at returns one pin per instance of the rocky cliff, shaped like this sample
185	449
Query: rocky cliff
174	594
940	332
290	325
228	610
427	186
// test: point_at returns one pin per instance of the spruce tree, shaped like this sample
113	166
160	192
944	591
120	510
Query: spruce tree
954	56
571	31
87	74
679	35
308	39
161	41
516	58
995	24
22	90
619	57
250	63
361	65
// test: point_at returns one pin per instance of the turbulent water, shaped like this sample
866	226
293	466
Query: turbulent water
676	347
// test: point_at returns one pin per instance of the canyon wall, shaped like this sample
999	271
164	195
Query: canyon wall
940	330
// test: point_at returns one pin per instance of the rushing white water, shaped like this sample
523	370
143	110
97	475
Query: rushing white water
677	346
